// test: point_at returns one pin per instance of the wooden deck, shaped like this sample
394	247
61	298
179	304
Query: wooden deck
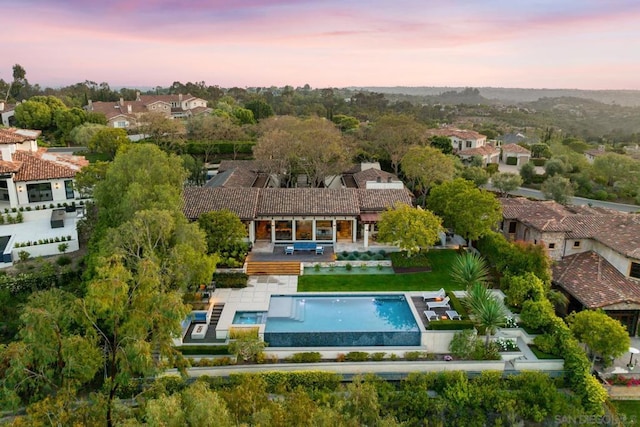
421	306
278	255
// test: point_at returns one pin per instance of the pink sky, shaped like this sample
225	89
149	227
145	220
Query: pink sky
586	44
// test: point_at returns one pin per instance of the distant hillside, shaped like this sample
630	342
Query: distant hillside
514	96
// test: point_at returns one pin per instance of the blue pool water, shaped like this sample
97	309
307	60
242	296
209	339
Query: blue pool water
248	317
340	320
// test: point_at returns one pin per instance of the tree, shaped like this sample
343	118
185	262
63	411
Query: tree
557	188
411	229
602	334
346	123
537	314
555	166
442	143
521	288
426	166
108	141
469	268
162	130
261	110
506	182
527	172
142	178
33	115
612	167
393	135
468	210
82	134
485	309
89	176
476	174
244	116
133	317
223	229
67	119
195	168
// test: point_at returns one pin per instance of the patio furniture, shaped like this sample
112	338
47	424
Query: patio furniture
453	315
435	295
319	250
431	315
438	304
288	250
57	218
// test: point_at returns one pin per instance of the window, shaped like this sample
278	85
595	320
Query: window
635	270
469	143
4	191
512	227
121	124
39	192
552	245
576	243
68	188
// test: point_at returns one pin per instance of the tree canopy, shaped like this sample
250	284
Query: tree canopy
411	229
600	332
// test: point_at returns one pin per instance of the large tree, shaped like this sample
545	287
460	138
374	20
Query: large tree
163	131
603	335
223	230
142	178
426	166
468	210
108	141
505	182
558	189
411	229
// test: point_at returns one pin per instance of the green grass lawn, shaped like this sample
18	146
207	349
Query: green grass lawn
440	260
630	409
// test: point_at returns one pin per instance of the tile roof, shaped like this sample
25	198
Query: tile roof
199	200
618	230
9	167
252	165
595	152
236	177
34	168
594	282
379	200
373	174
485	150
515	148
459	133
17	136
308	201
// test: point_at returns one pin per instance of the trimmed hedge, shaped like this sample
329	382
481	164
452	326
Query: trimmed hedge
400	259
452	325
203	349
283	381
230	280
307	357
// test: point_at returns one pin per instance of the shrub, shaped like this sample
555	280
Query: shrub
24	255
341	357
1	219
377	357
463	343
243	333
546	343
451	325
393	356
307	357
69	237
365	257
51	205
413	355
63	260
539	162
230	280
352	257
14	210
378	257
316	267
203	349
28	208
400	259
19	218
21	209
348	267
537	314
6	210
357	356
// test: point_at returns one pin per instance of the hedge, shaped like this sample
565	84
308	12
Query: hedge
37	281
282	381
400	259
307	357
539	161
451	325
512	161
203	349
230	280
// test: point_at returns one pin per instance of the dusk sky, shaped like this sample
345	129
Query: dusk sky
584	44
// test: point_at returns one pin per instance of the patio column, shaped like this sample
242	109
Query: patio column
335	229
354	230
252	231
366	235
313	229
273	231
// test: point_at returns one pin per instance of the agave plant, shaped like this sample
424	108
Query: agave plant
469	268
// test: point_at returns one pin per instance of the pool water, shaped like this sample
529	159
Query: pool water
248	317
340	320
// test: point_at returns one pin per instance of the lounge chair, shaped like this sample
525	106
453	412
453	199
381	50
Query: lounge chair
438	304
434	295
453	315
288	250
431	315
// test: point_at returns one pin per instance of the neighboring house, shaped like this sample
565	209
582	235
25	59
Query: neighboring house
29	174
592	154
460	139
597	252
519	154
126	114
516	138
7	114
487	153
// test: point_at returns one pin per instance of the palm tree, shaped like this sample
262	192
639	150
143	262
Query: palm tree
469	268
485	309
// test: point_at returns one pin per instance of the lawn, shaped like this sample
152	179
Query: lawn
628	410
437	278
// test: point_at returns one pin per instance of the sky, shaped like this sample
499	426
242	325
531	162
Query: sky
581	44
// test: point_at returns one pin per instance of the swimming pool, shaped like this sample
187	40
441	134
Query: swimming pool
340	320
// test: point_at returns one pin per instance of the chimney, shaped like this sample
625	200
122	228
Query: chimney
121	102
137	95
1	105
129	108
180	98
90	105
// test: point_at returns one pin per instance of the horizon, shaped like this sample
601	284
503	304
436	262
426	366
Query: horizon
586	45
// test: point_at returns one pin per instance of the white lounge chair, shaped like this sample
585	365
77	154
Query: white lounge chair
438	304
434	294
453	315
431	315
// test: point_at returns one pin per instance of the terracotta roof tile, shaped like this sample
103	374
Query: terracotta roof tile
594	282
236	177
199	200
515	148
373	174
9	167
379	200
308	201
34	168
459	133
485	150
17	136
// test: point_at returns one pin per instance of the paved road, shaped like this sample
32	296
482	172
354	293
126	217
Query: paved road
535	194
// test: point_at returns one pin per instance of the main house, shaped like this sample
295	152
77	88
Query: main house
284	215
29	174
596	252
126	114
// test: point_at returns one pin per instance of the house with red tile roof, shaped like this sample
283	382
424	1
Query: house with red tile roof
519	154
285	215
461	139
31	175
126	114
597	252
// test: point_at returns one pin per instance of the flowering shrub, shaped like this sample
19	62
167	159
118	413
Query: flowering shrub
620	380
506	344
510	322
448	358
